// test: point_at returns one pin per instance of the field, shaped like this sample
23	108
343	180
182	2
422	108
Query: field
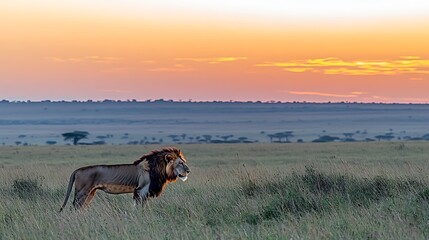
375	190
37	123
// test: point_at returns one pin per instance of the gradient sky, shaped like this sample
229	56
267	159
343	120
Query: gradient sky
300	50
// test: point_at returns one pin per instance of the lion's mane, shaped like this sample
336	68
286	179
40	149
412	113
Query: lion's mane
157	169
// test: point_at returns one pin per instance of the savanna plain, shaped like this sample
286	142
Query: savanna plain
360	190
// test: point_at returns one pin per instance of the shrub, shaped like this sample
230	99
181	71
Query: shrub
316	192
27	188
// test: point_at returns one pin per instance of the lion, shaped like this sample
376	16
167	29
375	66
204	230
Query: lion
145	178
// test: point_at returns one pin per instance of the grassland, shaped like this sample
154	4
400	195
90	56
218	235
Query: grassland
244	191
148	122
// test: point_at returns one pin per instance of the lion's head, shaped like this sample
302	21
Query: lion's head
176	165
164	165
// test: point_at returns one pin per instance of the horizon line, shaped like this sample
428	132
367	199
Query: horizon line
195	101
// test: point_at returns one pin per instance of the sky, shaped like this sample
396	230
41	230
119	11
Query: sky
240	50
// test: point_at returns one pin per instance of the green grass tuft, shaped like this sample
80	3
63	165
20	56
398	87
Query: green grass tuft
315	192
27	188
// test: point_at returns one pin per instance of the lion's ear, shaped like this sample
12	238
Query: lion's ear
168	157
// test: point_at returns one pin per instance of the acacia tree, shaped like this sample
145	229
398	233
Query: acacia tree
75	136
207	137
271	136
287	135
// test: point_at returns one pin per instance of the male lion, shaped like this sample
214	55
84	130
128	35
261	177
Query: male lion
145	177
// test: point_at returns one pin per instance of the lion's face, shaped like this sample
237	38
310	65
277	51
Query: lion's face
177	166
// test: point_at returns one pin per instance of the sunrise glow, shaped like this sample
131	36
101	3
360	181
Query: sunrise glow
215	50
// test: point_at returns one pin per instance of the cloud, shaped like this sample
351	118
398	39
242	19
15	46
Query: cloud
363	96
416	79
90	59
358	93
336	66
215	60
148	61
174	68
403	99
325	94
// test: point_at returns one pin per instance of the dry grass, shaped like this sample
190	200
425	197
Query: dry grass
251	191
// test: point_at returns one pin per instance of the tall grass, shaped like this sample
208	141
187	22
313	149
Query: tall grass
277	200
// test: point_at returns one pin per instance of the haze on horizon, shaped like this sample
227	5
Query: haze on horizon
308	50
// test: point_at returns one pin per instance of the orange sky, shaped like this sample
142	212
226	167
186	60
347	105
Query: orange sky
216	50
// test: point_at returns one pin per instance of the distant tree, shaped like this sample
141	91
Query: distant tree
326	138
173	137
387	137
242	139
271	136
75	136
225	138
348	135
51	142
183	136
287	135
280	135
207	137
18	143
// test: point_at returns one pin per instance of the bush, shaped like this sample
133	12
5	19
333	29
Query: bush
27	188
316	192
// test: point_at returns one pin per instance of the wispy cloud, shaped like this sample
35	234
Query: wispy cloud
336	66
402	99
214	60
361	96
148	61
174	68
359	93
118	70
351	95
91	59
416	79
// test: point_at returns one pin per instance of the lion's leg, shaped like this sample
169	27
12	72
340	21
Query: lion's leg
89	197
80	197
78	200
141	195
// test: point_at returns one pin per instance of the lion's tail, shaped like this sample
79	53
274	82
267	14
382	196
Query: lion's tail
71	182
